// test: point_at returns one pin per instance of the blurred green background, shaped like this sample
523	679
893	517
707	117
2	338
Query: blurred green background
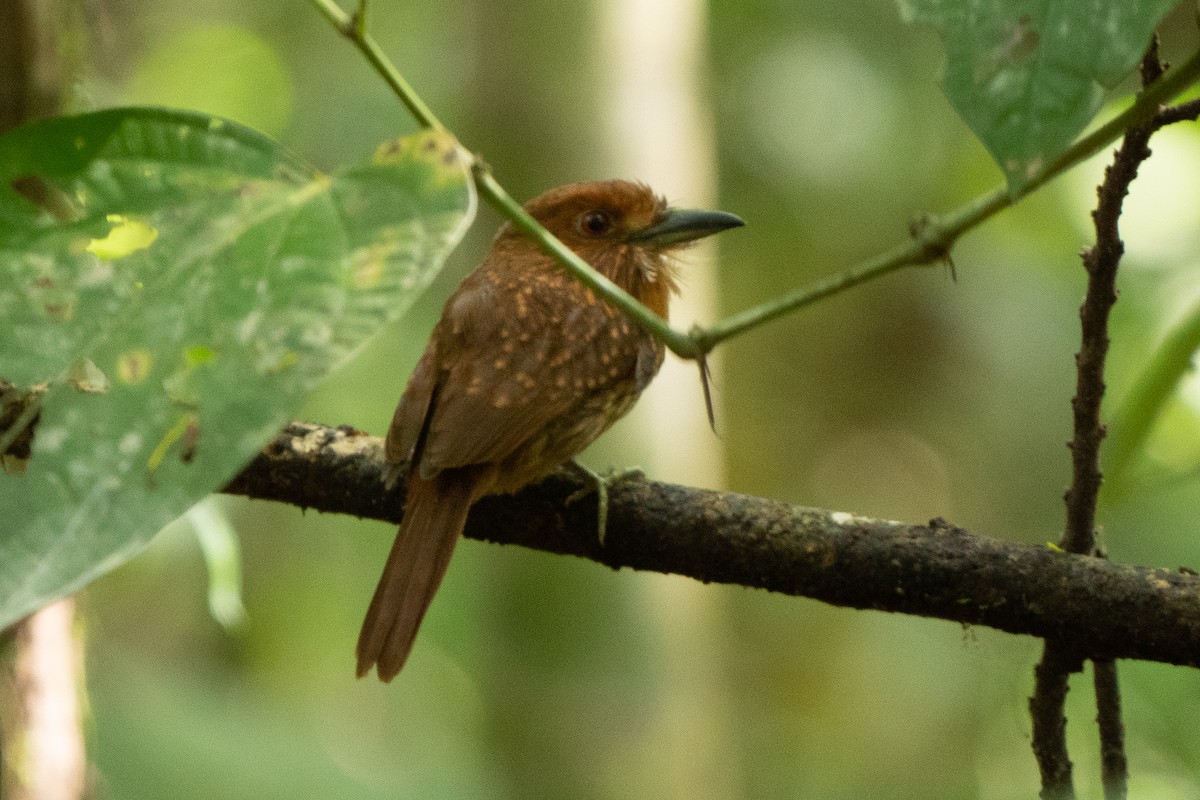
544	677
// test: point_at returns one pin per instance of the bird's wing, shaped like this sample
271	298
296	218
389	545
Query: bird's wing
411	415
511	362
468	322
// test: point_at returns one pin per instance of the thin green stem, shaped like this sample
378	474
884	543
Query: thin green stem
933	239
360	20
1148	103
931	242
354	28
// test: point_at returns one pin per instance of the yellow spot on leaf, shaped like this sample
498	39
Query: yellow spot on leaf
134	365
198	355
127	236
369	264
439	149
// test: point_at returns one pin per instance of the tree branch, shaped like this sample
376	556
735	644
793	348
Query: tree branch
1058	658
1100	609
1114	767
1184	112
1049	724
1049	738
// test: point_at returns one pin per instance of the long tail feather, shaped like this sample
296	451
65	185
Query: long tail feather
434	517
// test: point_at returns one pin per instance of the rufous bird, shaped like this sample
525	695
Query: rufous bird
525	368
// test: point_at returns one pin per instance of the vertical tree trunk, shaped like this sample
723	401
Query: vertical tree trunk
44	751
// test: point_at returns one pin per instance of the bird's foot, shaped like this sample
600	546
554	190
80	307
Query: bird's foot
598	484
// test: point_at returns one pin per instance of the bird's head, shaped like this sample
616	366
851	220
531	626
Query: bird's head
624	230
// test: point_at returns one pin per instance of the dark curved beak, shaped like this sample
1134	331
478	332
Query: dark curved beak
681	225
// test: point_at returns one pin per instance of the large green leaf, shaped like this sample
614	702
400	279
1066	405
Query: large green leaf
174	285
1028	75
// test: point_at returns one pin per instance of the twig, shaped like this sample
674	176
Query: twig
354	28
1114	767
931	240
1049	724
1131	423
1100	608
934	236
1101	262
1184	112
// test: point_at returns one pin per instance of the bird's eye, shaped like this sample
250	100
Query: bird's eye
595	223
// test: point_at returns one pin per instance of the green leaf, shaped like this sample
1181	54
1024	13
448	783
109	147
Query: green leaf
1028	75
172	285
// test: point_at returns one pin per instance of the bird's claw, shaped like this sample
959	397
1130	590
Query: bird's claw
596	483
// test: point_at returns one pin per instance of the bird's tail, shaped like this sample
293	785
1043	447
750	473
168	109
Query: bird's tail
434	516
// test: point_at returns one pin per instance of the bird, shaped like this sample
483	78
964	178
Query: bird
524	369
